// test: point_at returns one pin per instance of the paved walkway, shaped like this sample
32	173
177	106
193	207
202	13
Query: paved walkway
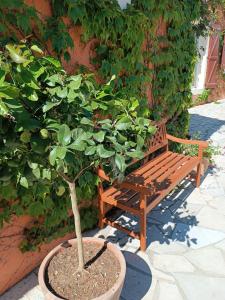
186	257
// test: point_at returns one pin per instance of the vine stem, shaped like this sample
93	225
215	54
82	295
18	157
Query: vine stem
76	215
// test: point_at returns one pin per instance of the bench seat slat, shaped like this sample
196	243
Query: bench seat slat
152	163
164	166
165	171
154	168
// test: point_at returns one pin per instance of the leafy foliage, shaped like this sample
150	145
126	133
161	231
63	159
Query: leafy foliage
57	126
202	98
208	153
128	44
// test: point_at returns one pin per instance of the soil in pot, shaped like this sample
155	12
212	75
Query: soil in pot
101	272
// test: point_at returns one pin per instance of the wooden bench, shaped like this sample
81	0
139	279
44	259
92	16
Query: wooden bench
144	188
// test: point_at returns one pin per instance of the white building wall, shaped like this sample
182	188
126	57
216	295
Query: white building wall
198	84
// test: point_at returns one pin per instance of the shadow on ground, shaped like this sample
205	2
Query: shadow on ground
138	277
170	221
205	126
20	289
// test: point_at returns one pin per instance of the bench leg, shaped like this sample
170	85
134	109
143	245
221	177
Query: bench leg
143	231
198	175
143	222
101	214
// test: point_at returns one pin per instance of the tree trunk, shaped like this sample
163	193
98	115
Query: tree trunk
76	215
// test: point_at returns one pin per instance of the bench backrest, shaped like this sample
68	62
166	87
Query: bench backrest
158	140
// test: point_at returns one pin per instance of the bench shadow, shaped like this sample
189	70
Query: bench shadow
171	220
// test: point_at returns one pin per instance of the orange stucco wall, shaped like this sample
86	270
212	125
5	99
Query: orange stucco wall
14	264
82	53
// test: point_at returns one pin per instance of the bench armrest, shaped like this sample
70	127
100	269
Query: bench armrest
202	144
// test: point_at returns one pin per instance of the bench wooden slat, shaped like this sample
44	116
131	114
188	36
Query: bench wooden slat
180	164
166	170
174	179
153	163
153	168
164	166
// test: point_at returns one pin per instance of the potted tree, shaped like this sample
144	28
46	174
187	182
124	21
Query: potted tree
45	107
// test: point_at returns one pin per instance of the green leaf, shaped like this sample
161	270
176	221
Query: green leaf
103	153
36	209
136	154
142	122
37	173
3	108
24	182
112	79
94	105
35	48
99	136
33	96
140	141
134	104
86	121
120	162
90	150
32	165
61	93
18	209
72	96
16	55
46	174
64	135
9	92
52	156
76	82
55	62
121	138
52	125
61	152
123	124
66	56
2	76
152	129
78	145
53	79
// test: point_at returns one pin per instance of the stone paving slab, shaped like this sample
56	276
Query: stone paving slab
185	258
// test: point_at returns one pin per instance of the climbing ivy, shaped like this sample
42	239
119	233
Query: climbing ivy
127	44
127	41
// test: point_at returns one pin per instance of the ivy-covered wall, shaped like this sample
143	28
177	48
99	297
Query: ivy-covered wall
149	46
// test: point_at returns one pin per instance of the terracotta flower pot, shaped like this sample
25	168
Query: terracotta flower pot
112	294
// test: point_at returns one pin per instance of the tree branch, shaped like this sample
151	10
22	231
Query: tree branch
84	169
65	177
